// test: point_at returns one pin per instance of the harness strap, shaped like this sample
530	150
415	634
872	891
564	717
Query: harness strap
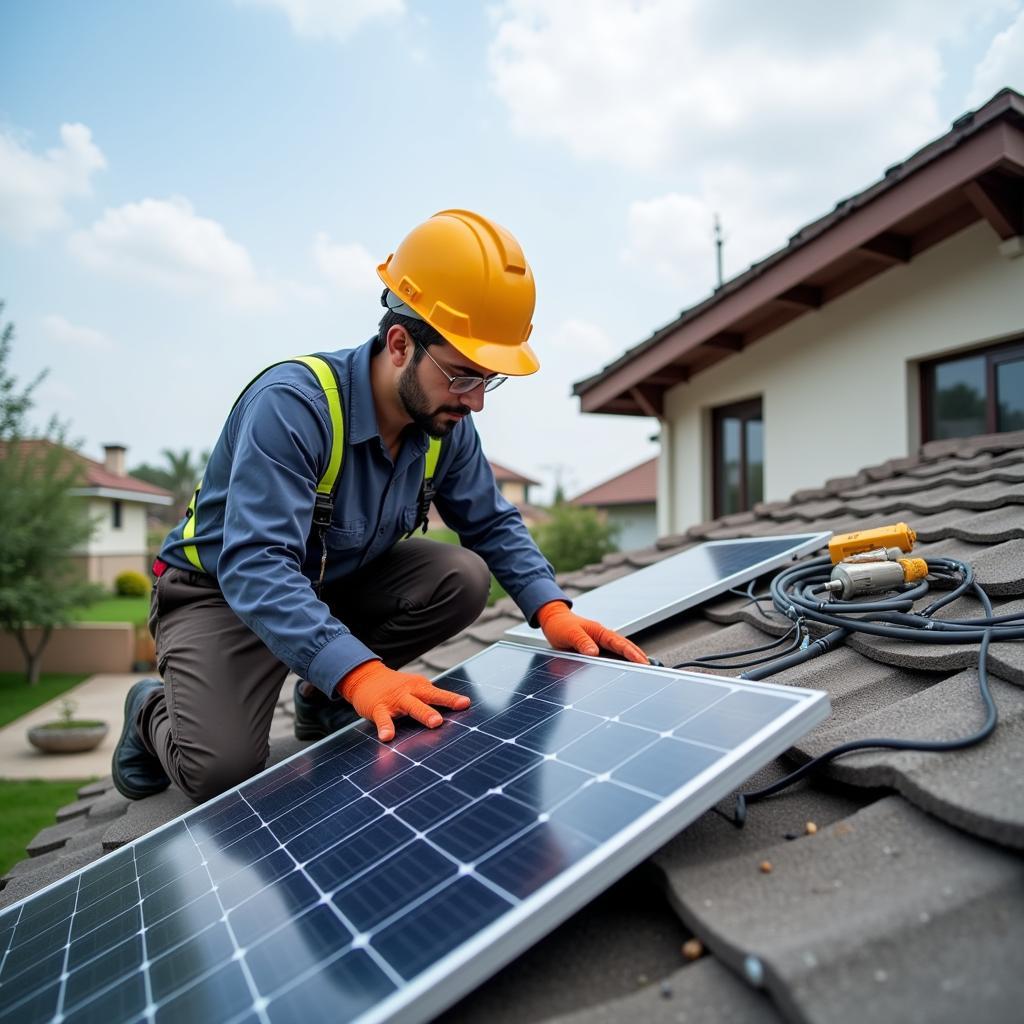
323	508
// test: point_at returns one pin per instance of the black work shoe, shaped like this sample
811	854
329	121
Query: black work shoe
316	718
137	773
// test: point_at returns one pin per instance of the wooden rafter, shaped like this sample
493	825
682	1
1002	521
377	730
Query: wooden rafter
801	296
1000	203
648	399
888	247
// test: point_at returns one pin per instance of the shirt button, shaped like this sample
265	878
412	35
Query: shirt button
380	532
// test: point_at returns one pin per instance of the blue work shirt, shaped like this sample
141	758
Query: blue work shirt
254	530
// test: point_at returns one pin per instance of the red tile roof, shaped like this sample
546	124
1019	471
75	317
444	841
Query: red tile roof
634	487
505	475
96	474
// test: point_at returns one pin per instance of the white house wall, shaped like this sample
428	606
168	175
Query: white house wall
130	539
837	384
638	527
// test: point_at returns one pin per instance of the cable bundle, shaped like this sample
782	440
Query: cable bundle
795	593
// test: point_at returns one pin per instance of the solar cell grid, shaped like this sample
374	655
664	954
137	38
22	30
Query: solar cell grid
346	880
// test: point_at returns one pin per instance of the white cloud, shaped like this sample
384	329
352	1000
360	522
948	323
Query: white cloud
655	83
87	338
767	118
349	266
34	189
672	235
166	243
1002	65
336	19
577	340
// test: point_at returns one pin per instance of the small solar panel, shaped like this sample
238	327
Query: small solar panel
682	581
362	881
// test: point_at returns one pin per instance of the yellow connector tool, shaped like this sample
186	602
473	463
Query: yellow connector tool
898	535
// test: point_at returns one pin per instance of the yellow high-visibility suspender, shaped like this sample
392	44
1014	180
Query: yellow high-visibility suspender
324	507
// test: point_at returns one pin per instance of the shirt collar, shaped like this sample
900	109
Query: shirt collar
360	413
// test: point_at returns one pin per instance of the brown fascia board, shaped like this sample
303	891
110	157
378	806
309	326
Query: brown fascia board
997	145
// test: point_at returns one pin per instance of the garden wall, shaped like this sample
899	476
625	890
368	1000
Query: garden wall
82	647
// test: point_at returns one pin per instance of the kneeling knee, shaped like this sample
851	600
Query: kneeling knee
473	580
217	775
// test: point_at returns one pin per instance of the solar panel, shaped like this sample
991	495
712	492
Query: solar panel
664	589
361	881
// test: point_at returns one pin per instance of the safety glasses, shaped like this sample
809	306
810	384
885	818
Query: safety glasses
463	385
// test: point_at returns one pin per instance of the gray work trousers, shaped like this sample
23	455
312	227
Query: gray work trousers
210	725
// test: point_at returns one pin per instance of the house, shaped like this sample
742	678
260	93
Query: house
887	887
628	500
895	320
118	504
515	488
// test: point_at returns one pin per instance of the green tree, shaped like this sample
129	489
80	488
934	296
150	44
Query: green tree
179	474
41	521
574	537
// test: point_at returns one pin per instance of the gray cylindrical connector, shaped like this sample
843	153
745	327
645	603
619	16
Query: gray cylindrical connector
854	579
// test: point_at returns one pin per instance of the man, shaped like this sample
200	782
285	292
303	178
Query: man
288	556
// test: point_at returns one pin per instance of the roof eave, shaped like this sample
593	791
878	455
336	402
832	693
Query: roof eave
635	383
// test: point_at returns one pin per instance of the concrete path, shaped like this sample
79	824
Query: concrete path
98	697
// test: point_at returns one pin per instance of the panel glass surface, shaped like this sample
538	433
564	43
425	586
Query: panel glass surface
359	880
681	581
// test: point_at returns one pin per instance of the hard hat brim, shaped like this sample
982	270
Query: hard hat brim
512	360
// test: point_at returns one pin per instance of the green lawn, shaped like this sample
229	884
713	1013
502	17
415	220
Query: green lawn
17	698
117	609
25	808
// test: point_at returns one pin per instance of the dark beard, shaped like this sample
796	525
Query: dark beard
417	406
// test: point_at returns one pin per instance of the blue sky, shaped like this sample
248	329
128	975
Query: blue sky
192	190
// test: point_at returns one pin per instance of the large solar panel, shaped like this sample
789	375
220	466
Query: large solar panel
361	881
681	581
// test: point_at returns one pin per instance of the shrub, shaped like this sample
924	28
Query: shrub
131	584
574	537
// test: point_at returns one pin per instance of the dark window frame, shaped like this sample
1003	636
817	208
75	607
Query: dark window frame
749	409
1004	352
116	514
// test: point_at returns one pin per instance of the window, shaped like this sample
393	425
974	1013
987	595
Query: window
115	514
738	453
980	392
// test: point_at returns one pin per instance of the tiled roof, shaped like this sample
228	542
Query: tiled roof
95	474
505	475
907	900
634	487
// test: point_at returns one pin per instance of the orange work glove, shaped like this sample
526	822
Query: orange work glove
378	693
566	631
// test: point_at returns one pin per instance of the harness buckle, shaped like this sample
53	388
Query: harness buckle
323	510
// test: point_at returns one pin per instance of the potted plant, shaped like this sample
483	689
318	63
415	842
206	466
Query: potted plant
67	735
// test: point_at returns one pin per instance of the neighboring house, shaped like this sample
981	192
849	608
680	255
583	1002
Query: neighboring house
515	488
628	500
907	902
894	320
119	503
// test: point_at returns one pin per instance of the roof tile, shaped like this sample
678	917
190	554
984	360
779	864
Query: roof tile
977	789
868	920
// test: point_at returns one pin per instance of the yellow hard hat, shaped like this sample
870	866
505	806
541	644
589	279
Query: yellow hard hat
468	278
